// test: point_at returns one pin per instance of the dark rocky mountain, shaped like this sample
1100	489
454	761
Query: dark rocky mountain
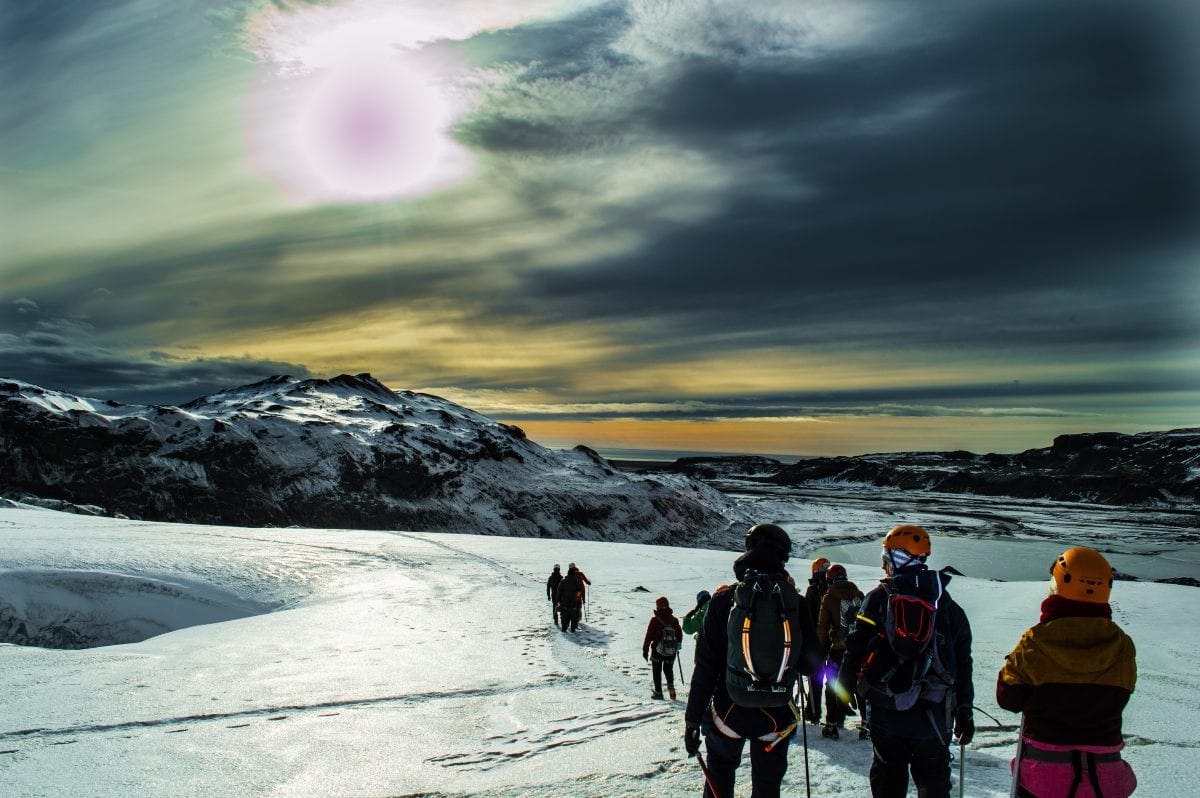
1149	468
708	467
345	453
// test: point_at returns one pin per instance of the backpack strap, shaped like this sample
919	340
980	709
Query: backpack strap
777	592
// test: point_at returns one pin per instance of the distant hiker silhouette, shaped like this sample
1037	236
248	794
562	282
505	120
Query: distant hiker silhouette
661	646
583	582
570	600
552	583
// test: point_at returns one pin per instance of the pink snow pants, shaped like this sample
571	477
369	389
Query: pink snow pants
1054	779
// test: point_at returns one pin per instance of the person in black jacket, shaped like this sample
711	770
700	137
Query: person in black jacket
910	728
728	725
570	600
552	591
817	586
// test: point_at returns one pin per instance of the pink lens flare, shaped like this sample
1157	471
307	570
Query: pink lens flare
368	131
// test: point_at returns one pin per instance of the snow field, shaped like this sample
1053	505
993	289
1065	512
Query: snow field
400	664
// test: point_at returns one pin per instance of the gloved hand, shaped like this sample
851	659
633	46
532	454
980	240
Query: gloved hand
964	725
691	738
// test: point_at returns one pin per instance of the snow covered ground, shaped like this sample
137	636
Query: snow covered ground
343	663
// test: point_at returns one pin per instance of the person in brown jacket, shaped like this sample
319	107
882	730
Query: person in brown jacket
838	607
1071	675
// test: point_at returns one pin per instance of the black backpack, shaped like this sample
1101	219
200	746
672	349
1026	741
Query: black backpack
847	612
904	664
668	644
763	654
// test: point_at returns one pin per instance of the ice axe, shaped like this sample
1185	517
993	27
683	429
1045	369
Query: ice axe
707	776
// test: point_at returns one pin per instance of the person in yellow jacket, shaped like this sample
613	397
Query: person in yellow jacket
1072	675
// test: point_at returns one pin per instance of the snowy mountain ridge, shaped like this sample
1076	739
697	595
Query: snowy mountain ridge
346	452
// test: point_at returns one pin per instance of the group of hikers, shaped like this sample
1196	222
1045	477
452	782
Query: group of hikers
568	596
898	657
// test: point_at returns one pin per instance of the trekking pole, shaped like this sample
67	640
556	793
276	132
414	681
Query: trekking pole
962	767
707	776
682	678
1016	776
804	737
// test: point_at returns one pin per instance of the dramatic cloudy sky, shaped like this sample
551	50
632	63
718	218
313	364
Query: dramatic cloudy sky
802	227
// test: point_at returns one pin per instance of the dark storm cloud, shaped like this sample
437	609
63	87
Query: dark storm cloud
1026	156
1045	399
60	353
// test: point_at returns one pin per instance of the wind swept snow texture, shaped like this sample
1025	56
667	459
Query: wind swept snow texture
405	664
346	452
80	609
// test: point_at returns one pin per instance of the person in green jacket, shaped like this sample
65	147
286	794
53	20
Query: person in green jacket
695	617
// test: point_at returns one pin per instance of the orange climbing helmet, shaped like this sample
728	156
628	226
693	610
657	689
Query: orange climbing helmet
910	538
1082	574
819	565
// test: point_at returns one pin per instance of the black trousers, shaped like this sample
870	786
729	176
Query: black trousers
928	759
659	666
767	768
835	710
570	618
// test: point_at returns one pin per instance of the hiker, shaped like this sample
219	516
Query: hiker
813	595
552	591
1072	675
838	611
583	582
742	684
909	655
661	645
570	592
695	616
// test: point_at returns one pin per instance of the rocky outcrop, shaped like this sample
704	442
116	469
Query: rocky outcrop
1150	468
346	452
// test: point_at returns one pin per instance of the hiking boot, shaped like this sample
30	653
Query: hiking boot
656	694
830	731
671	692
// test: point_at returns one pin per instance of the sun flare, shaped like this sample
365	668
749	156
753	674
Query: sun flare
343	111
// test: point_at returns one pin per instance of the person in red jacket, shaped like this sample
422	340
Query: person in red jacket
661	645
1071	675
583	582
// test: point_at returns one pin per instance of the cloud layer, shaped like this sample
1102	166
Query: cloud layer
671	211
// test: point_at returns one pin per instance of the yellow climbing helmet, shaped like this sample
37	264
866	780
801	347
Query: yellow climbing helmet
909	537
1082	574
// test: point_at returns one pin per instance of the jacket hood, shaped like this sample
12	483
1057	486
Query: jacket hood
1092	650
843	589
762	559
